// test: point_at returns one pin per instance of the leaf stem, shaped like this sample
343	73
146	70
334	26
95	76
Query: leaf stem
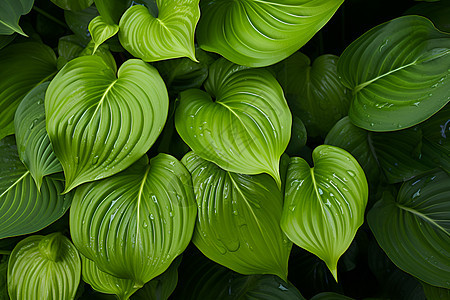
50	17
5	252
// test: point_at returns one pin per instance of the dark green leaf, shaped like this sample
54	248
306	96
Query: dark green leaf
73	4
10	12
78	22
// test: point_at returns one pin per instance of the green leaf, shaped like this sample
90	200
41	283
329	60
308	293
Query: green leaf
168	35
99	124
182	73
161	287
23	208
5	40
398	72
260	33
44	267
10	12
437	128
314	92
238	219
413	229
400	155
104	282
324	205
134	224
101	31
73	4
298	137
245	129
33	144
3	277
330	296
78	22
435	293
22	67
437	13
112	10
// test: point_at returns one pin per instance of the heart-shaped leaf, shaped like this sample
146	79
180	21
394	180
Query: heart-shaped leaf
22	67
314	92
245	129
23	208
44	267
101	31
104	282
399	155
33	144
10	12
260	33
134	224
238	219
324	205
99	124
413	229
398	72
168	35
73	4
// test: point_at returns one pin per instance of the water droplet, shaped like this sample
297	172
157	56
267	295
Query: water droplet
320	191
292	208
95	160
372	124
70	121
171	214
144	224
235	212
351	173
416	194
152	217
31	125
282	287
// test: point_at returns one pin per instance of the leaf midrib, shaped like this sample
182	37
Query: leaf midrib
422	216
15	183
141	188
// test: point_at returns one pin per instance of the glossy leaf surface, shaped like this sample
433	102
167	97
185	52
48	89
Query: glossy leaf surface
134	224
112	10
238	219
73	4
398	72
33	144
245	129
23	208
260	33
413	229
44	267
324	205
100	123
314	91
168	35
22	67
104	282
101	31
10	12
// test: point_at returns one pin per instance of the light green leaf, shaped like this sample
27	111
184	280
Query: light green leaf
73	4
100	123
33	144
78	22
104	282
238	219
314	92
398	72
101	31
44	267
324	205
260	33
245	129
413	229
22	67
399	155
10	12
161	287
169	34
23	208
134	224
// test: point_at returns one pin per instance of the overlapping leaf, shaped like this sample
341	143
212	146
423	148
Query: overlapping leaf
314	92
22	67
260	33
10	12
245	129
112	10
44	267
134	224
23	207
101	31
324	205
99	124
413	229
33	144
78	22
104	282
398	72
73	4
169	34
238	219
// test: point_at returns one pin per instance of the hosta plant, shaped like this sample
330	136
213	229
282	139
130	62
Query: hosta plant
245	149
